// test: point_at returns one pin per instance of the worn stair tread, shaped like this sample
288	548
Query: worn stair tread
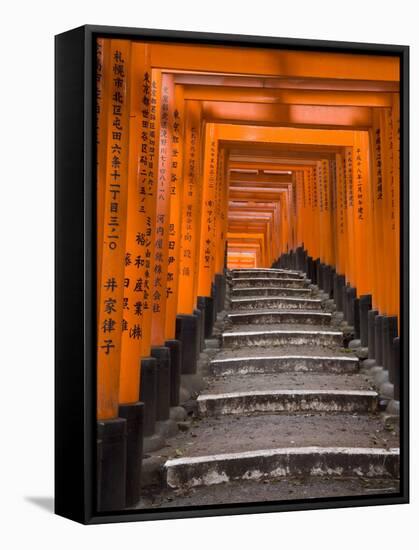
272	291
269	277
237	492
233	434
288	381
283	351
279	299
280	327
237	273
306	316
282	462
279	312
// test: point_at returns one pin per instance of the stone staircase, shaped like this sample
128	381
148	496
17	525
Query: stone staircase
284	401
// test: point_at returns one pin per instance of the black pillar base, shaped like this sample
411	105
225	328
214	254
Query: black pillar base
187	333
206	305
316	272
327	280
214	301
175	348
357	327
220	291
320	274
395	372
339	291
372	314
310	264
162	355
200	331
134	415
350	295
148	393
378	336
365	304
111	464
389	333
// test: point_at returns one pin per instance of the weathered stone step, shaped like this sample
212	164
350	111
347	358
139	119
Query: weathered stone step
282	489
280	316
267	335
290	380
282	302
234	366
266	282
258	272
277	291
284	461
288	401
237	433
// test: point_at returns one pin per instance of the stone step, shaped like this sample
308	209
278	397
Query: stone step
287	401
266	282
267	335
263	490
233	366
258	272
268	302
277	291
280	316
280	462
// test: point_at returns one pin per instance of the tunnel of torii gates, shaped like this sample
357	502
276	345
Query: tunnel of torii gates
215	157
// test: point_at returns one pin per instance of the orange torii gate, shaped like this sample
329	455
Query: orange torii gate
165	190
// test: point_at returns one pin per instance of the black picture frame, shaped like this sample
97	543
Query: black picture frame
75	285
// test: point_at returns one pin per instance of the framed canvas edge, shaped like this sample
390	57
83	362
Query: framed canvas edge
75	278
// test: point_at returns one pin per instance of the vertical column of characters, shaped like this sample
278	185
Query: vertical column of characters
114	230
351	246
308	242
176	211
376	194
223	178
198	209
162	219
390	210
283	199
362	215
333	208
293	212
315	212
298	208
136	233
319	187
206	250
268	243
396	175
327	205
191	217
276	229
149	236
341	218
218	246
304	215
103	83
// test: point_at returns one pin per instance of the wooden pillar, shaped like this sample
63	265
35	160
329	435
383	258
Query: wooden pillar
162	218
192	209
176	213
362	215
111	283
133	325
206	252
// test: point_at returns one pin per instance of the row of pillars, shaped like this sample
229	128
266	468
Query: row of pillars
141	426
371	329
164	157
